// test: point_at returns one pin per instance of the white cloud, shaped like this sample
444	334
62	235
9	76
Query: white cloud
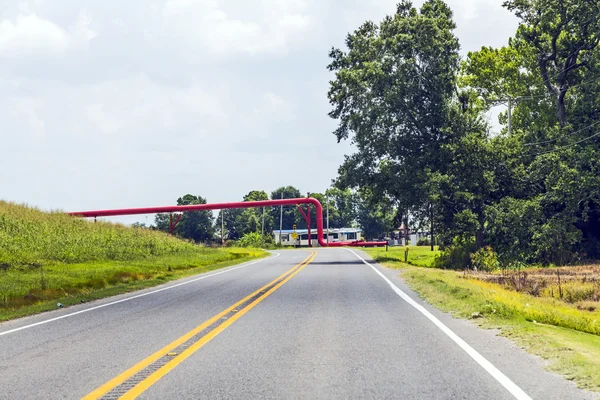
208	25
124	103
30	35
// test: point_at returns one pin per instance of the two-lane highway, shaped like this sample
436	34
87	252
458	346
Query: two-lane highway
319	324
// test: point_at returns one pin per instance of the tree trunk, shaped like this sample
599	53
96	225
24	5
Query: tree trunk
479	234
479	238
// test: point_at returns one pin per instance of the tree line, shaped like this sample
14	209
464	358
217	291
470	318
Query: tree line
417	113
347	208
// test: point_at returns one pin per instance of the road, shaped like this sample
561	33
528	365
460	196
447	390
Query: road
301	324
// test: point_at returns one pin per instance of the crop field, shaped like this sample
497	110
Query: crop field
53	256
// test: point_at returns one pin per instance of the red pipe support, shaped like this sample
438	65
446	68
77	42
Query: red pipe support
223	206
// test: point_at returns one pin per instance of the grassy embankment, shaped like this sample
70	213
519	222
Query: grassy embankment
46	258
559	323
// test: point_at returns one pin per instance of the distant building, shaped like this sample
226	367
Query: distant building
398	238
335	235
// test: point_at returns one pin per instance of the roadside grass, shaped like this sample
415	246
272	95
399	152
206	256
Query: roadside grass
566	336
79	283
47	258
420	256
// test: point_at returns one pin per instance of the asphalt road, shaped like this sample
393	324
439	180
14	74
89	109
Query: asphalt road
335	327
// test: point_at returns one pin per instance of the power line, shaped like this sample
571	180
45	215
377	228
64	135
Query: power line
569	145
563	136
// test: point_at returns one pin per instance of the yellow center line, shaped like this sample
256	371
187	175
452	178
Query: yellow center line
152	379
142	386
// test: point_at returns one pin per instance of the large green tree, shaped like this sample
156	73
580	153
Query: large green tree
391	95
561	37
195	225
545	175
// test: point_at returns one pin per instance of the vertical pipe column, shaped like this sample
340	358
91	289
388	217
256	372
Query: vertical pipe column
308	224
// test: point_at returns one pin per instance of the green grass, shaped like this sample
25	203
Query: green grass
47	258
421	256
566	336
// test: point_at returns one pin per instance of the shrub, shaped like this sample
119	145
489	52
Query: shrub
252	239
485	259
455	256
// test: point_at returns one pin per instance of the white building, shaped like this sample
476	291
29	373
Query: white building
335	235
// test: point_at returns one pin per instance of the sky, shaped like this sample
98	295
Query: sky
115	104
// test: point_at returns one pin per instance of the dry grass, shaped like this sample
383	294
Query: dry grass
577	285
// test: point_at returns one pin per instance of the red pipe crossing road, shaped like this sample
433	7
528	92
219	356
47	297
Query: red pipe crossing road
222	206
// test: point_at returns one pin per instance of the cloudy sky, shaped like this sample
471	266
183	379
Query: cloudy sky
108	104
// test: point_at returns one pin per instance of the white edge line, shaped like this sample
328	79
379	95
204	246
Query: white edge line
135	297
505	381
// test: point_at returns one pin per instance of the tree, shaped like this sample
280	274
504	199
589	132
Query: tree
289	212
250	219
563	35
376	218
161	222
391	95
231	220
342	207
300	221
544	175
195	225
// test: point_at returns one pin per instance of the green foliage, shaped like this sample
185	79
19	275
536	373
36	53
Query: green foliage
423	146
485	259
417	255
195	225
46	256
232	223
375	216
251	219
390	95
253	239
289	213
560	36
456	256
343	205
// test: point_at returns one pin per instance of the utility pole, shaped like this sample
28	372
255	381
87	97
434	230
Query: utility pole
222	229
510	101
280	220
327	201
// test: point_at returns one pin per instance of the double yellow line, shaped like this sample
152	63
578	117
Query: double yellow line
167	351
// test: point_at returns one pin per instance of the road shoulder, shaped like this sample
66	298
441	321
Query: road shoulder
528	371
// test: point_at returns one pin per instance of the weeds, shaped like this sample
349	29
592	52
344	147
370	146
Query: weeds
572	285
